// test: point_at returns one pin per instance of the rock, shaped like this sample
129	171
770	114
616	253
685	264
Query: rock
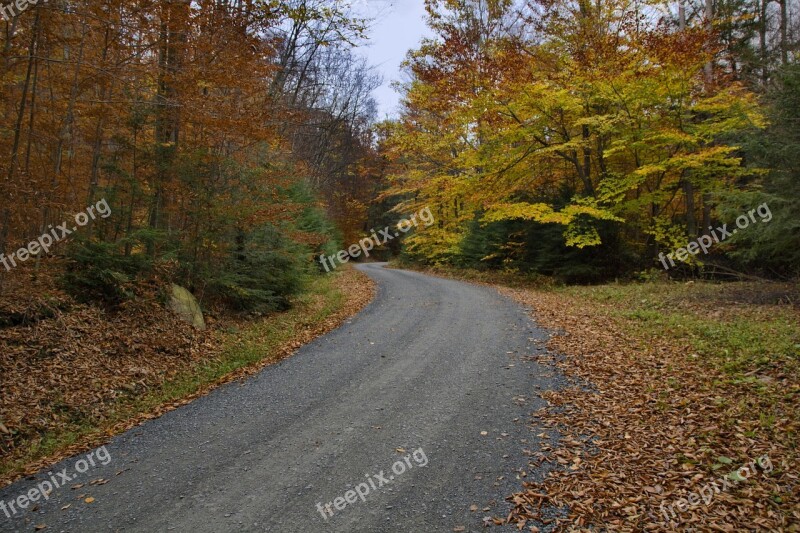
186	306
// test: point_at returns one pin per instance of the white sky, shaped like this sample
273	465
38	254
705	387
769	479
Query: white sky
398	27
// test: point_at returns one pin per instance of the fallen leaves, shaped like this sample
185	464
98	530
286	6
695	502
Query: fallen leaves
646	424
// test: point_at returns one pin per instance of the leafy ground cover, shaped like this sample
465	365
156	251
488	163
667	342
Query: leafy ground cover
690	382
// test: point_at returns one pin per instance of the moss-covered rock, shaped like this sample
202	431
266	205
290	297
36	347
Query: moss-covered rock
186	306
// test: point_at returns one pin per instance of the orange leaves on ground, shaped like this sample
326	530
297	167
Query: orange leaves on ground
647	423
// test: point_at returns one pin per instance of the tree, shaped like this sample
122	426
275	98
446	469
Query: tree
189	118
595	121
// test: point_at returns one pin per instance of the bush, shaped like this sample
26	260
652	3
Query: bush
254	270
100	271
260	275
532	247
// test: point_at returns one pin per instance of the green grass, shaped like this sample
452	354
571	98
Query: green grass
258	341
734	336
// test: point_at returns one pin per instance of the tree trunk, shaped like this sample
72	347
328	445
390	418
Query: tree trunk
172	37
104	94
784	34
709	15
691	220
13	163
762	41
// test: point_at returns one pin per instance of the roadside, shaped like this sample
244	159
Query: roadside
72	376
690	385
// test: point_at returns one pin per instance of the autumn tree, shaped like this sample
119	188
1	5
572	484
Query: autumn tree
188	118
591	117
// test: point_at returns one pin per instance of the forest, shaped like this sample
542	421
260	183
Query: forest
230	140
582	139
236	141
565	266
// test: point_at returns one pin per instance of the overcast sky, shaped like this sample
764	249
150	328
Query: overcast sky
399	27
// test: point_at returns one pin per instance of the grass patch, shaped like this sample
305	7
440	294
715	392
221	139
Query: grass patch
731	334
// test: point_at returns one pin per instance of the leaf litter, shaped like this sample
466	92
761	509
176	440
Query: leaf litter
656	425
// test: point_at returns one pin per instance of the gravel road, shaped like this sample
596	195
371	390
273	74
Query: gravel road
430	374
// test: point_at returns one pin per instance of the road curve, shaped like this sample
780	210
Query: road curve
431	364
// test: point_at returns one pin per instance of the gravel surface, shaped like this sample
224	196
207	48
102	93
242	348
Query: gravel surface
431	373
